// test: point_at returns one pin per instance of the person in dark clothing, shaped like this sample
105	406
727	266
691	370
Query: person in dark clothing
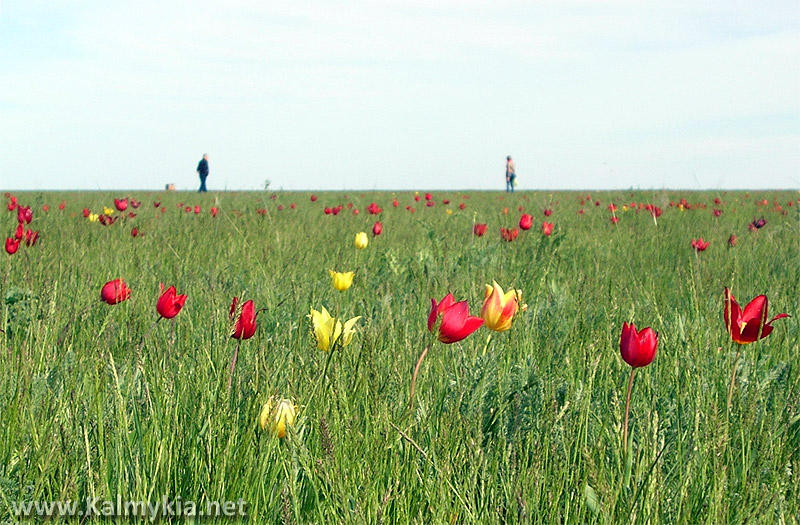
202	170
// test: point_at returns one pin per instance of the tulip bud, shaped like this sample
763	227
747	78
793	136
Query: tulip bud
361	241
341	280
276	415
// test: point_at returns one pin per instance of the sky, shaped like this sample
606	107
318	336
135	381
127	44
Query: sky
399	94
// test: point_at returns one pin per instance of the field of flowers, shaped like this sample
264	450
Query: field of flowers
475	367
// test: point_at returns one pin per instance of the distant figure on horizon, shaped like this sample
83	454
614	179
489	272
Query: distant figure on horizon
202	170
511	174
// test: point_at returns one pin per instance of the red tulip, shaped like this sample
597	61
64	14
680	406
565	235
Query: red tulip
479	229
614	220
134	232
638	348
428	197
717	212
456	323
135	203
430	204
12	245
187	209
62	205
197	210
214	210
115	291
374	209
86	212
313	198
548	212
293	205
356	212
121	204
45	207
526	221
327	211
20	231
699	244
612	207
751	325
462	206
280	207
24	214
395	203
169	304
156	204
732	240
547	228
31	237
417	198
509	235
244	319
377	228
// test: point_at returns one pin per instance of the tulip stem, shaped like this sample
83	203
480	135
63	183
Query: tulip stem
233	363
627	412
733	377
414	378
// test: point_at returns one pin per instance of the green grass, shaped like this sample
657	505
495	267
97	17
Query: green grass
524	426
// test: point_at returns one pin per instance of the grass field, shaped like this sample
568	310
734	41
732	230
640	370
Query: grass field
100	401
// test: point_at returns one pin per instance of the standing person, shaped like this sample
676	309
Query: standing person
511	174
202	170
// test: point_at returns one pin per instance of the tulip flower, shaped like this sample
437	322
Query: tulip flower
548	212
547	228
12	245
86	212
93	217
746	326
341	280
509	234
108	211
361	241
134	232
114	292
121	204
732	240
456	323
313	198
169	304
20	231
244	319
377	228
24	214
499	308
328	331
276	415
31	237
526	221
638	348
751	324
197	210
699	244
214	210
479	229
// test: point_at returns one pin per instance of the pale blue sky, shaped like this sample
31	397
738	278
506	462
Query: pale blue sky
400	94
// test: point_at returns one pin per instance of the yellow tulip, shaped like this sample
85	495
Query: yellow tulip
624	207
448	211
276	415
361	240
93	217
108	211
341	280
499	308
327	329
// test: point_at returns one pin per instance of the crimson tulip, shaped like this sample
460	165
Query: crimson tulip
547	228
456	323
313	198
244	319
31	237
170	303
638	348
24	214
508	234
377	228
214	210
121	204
115	291
732	240
12	245
751	324
86	212
479	229
20	231
526	221
548	212
699	244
